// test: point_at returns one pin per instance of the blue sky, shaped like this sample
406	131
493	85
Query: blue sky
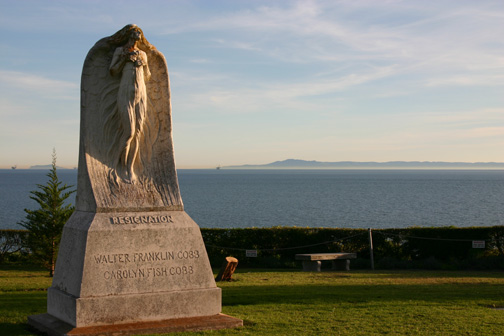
259	81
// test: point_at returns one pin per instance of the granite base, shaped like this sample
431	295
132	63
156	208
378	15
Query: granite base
55	327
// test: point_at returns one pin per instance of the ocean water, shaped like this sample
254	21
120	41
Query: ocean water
314	198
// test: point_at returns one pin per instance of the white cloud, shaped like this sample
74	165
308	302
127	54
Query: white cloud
491	116
488	132
51	88
466	80
199	60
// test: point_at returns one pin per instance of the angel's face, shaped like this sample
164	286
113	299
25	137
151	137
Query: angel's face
136	34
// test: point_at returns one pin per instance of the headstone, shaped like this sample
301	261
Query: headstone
130	254
227	269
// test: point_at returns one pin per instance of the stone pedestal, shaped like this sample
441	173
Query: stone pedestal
55	327
130	267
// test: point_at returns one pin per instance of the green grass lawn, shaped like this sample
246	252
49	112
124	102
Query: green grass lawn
328	303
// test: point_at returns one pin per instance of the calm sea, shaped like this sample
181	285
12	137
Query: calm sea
316	198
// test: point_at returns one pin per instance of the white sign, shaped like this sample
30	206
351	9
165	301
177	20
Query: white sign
478	244
251	253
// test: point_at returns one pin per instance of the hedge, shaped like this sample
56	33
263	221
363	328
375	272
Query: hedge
438	248
431	248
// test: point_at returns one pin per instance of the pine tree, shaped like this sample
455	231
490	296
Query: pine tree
45	225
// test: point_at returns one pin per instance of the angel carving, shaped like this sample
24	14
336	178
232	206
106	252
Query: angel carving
131	65
125	86
126	158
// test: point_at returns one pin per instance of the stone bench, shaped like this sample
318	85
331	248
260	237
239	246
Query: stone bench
312	261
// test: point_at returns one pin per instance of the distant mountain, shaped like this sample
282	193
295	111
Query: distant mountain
46	167
302	164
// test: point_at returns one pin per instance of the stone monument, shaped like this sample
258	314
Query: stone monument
130	257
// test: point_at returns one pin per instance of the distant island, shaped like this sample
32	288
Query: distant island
302	164
46	167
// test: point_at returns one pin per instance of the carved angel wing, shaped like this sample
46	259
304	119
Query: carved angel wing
100	131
